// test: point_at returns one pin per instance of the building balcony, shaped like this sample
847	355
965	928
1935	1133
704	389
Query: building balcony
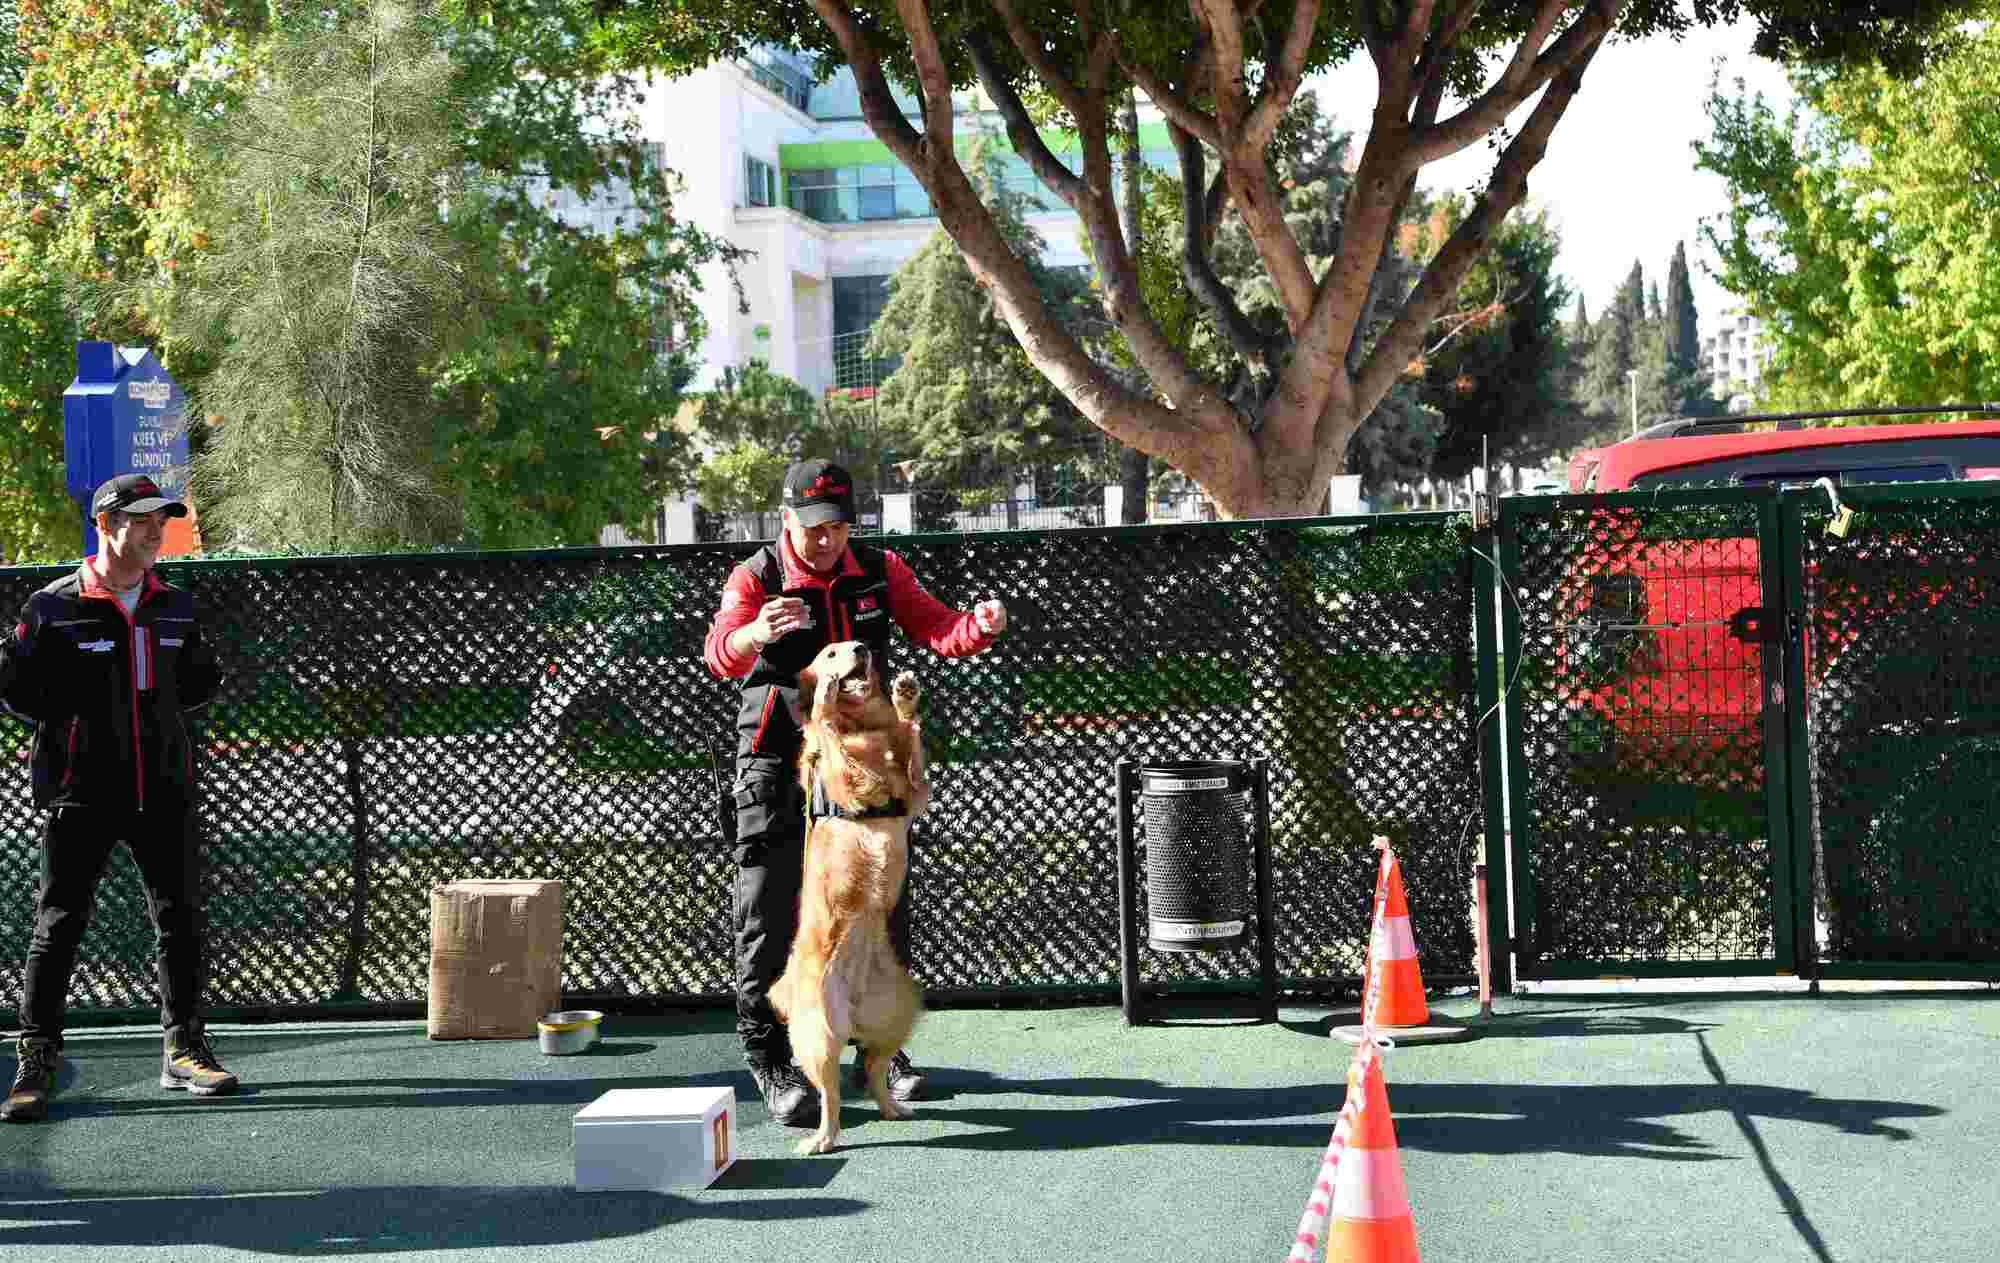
854	202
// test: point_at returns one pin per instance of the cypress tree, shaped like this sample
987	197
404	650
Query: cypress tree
1683	339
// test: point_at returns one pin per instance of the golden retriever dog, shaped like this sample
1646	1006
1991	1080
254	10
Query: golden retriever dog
842	981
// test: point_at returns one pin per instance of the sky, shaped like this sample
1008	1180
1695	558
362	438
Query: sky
1618	180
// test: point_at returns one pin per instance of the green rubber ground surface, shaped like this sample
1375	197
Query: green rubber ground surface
1710	1128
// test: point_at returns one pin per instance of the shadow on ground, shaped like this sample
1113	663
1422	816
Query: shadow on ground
366	1220
1469	1118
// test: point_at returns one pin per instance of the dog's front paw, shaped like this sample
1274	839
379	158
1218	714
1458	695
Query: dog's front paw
903	692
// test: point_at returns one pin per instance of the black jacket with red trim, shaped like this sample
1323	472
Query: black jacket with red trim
110	725
867	590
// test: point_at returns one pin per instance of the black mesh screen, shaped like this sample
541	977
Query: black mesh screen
1904	726
391	723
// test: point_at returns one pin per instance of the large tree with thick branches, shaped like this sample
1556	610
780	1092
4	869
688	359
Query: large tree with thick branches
1263	435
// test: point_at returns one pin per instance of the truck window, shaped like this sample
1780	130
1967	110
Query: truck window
1847	477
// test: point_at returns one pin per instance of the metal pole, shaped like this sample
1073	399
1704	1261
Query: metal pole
1128	898
1632	380
1267	946
1485	947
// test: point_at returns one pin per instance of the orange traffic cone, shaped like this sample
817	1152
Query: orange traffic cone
1370	1218
1392	950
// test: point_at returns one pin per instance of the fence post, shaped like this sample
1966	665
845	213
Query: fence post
678	521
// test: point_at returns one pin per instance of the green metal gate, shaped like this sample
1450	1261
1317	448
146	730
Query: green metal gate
1896	751
1739	742
1645	766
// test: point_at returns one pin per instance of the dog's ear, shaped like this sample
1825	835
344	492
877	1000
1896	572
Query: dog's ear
808	686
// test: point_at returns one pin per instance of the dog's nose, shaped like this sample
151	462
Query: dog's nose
861	654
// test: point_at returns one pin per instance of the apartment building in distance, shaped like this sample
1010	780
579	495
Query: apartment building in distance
784	166
1736	356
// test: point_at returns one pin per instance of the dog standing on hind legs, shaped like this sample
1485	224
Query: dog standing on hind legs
862	765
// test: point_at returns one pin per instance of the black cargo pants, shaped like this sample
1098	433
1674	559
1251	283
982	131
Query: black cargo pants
76	849
770	859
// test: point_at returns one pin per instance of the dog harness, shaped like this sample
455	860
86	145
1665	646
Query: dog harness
824	808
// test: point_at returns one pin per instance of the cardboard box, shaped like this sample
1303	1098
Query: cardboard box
655	1138
496	958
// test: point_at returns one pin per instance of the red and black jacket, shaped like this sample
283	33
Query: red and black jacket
868	590
110	726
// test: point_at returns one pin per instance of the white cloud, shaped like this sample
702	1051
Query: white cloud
1619	180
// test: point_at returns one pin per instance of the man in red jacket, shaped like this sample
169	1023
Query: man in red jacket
791	599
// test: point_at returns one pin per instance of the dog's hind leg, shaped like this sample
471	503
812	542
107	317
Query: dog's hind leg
889	1029
822	1067
818	1045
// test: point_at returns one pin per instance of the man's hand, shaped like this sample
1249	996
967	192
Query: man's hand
777	616
991	617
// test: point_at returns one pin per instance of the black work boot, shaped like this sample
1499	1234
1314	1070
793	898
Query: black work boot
188	1064
906	1082
34	1080
786	1093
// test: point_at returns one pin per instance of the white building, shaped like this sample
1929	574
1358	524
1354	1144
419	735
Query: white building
1736	355
782	166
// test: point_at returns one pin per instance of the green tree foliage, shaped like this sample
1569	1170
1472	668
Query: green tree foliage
94	180
1861	229
1683	332
971	404
745	477
410	347
755	404
762	420
1497	374
38	520
1685	384
1263	435
1617	343
546	403
332	285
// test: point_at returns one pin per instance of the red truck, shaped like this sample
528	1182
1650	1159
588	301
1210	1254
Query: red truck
1662	652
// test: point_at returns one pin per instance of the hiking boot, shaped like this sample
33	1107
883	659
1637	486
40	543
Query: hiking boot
786	1093
906	1082
34	1079
188	1064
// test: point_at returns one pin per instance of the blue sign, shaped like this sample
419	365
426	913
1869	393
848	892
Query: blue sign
122	415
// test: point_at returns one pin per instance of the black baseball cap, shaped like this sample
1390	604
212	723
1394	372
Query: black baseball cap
818	492
134	493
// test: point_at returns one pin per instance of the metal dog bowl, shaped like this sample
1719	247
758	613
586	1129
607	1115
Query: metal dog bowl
569	1031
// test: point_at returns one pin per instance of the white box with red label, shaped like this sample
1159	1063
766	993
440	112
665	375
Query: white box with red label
655	1138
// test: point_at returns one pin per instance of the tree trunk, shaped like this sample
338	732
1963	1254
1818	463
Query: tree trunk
1271	455
1134	477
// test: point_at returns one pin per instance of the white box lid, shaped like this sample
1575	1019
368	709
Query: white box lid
637	1104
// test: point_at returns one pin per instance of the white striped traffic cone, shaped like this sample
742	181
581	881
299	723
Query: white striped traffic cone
1392	949
1370	1220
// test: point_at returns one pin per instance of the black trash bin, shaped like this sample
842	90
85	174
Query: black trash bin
1201	820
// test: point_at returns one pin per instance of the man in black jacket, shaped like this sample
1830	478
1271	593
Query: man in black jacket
104	662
